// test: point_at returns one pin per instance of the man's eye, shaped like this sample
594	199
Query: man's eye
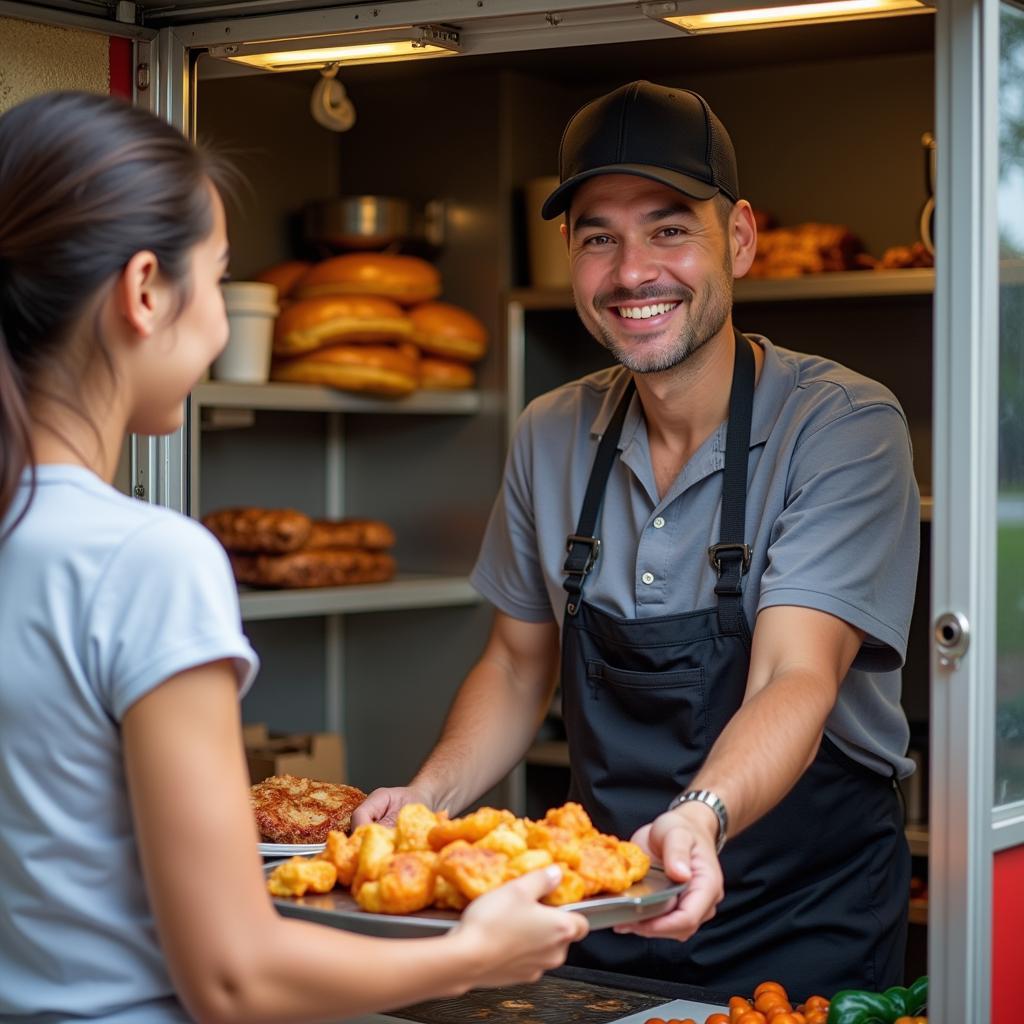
671	232
597	240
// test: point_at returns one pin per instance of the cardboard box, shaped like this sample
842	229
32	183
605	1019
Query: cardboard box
310	755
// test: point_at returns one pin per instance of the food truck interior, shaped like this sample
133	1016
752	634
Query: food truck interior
831	125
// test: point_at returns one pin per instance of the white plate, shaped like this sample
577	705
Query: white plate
289	849
647	898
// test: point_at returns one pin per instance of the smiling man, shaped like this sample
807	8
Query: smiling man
716	543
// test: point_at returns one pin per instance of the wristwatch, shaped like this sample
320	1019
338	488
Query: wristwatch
712	800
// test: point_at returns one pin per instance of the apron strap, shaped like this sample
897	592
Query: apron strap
583	546
730	557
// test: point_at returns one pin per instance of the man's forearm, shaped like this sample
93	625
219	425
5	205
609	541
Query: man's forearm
487	732
766	747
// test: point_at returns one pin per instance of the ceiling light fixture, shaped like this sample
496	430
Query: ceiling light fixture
730	17
408	42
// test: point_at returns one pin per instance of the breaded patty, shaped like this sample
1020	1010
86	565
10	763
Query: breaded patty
293	810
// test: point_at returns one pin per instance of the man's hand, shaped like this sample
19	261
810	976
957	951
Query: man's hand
683	840
383	805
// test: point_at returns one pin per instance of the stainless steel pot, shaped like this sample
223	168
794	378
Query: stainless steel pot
359	222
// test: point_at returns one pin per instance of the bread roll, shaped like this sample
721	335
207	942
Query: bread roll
406	279
445	374
350	533
283	276
248	529
335	567
378	369
446	330
309	324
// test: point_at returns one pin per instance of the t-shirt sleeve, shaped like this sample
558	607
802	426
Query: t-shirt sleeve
847	542
508	570
166	603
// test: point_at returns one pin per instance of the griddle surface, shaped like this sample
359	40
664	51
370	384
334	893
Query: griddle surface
548	1001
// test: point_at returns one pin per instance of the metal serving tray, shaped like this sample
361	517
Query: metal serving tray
647	898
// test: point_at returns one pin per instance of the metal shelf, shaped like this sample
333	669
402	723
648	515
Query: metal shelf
404	592
313	398
849	284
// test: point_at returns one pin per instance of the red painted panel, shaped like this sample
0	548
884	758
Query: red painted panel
1007	948
121	67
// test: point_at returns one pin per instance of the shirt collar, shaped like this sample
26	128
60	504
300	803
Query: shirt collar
774	386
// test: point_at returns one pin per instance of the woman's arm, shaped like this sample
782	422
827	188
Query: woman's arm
232	957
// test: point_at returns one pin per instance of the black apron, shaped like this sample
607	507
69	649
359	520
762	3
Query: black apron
816	891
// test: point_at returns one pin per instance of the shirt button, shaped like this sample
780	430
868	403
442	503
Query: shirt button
648	577
659	523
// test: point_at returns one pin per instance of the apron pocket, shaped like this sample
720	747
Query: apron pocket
645	726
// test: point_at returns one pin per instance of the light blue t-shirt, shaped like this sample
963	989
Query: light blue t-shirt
102	598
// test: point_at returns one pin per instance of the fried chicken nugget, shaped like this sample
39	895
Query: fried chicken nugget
405	885
378	844
559	842
297	876
573	817
603	866
529	860
343	852
504	840
569	890
446	896
413	826
638	860
472	870
471	827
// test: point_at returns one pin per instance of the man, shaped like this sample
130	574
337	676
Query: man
710	482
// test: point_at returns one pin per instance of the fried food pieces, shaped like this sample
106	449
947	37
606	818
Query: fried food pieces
429	859
298	876
293	810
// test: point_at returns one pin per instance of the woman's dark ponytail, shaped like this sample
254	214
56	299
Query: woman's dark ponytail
15	435
86	182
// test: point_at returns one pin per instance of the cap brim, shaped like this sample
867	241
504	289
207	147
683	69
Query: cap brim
558	202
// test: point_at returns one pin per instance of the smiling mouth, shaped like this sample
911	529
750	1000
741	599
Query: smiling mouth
644	312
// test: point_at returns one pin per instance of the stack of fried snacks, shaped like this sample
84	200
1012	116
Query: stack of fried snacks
431	860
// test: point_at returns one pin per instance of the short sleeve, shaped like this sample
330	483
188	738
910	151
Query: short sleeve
508	570
848	538
165	603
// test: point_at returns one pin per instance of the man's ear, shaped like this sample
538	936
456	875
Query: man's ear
138	293
742	237
564	228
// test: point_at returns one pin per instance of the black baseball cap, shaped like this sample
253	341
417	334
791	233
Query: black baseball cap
667	135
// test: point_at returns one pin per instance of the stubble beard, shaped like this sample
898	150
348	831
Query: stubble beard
706	318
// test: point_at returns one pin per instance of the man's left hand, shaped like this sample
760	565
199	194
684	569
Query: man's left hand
684	842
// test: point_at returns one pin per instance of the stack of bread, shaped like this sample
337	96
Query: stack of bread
280	547
370	322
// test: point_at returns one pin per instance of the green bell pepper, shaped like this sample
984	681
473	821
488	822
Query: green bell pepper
854	1007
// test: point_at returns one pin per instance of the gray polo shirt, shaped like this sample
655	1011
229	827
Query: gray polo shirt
832	518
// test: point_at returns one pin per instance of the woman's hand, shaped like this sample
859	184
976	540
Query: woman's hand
513	938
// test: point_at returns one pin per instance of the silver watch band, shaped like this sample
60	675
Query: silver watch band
712	800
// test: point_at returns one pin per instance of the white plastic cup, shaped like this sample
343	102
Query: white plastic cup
548	255
251	307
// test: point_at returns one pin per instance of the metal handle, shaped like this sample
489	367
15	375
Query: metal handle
952	637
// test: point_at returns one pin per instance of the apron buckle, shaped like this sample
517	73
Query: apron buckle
595	549
715	555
